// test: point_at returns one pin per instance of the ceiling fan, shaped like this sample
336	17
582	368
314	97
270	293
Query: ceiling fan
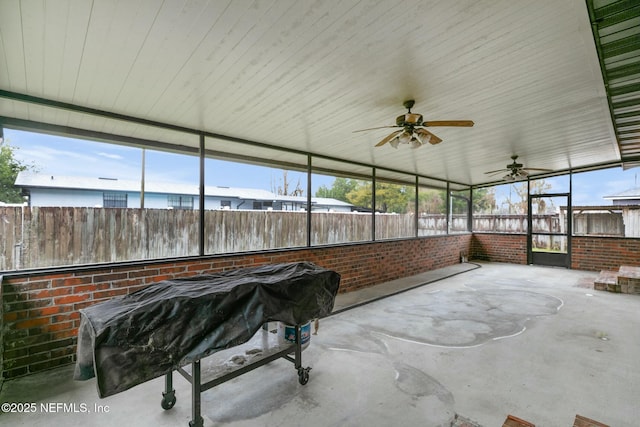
516	171
412	129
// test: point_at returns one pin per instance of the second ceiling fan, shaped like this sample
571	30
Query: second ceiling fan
412	129
516	171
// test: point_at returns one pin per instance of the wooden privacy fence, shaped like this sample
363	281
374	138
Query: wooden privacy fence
500	223
56	236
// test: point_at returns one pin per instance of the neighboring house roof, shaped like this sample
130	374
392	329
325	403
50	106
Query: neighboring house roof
324	201
35	180
327	201
32	180
632	193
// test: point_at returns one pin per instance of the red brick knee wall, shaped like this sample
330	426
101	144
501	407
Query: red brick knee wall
41	317
604	253
587	253
511	248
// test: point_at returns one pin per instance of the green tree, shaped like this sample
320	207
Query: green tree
394	198
339	189
360	195
10	167
399	198
431	200
484	200
460	202
389	197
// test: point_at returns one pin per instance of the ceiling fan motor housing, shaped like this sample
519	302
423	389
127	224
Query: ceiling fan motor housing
409	119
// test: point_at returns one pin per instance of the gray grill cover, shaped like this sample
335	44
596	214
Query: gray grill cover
132	339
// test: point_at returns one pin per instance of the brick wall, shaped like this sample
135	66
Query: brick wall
511	248
604	253
587	253
41	314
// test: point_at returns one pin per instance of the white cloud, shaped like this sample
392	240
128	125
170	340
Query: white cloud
111	156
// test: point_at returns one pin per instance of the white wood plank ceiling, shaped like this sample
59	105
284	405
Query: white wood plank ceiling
305	75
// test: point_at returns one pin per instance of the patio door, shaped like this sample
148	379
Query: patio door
549	230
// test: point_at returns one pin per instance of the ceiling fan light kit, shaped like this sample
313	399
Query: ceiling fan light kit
413	132
409	137
511	177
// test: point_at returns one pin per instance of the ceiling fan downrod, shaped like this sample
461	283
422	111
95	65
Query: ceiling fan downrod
408	104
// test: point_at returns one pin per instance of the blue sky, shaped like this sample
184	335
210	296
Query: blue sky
56	155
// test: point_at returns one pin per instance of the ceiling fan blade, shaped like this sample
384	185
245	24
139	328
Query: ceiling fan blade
496	171
461	123
380	127
427	136
537	169
389	138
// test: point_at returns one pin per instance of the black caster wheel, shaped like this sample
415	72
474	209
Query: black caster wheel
303	376
197	423
168	400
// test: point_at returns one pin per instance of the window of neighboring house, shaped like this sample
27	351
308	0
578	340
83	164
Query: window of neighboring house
225	204
262	204
114	200
180	202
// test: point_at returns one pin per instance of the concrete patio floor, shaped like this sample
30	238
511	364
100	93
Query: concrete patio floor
486	341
